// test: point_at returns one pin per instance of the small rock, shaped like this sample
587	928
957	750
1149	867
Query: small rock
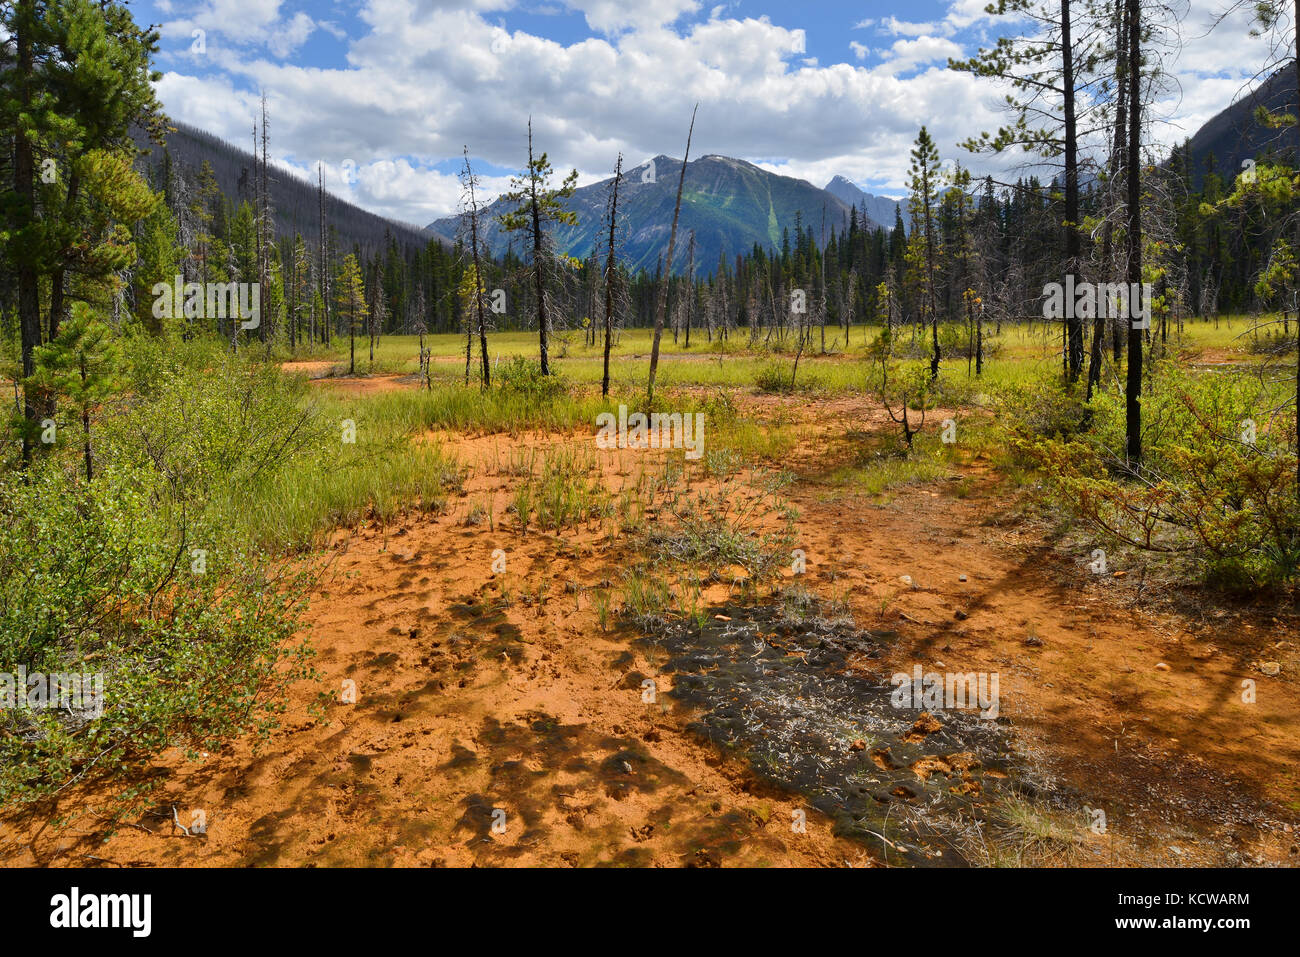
960	615
1270	668
1161	666
961	578
905	579
1033	641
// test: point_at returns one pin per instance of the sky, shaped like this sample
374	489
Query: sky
387	93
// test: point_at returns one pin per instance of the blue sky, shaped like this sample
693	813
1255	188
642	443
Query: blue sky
386	93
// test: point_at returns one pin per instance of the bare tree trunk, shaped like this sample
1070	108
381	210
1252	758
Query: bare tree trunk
324	256
821	302
479	290
690	286
1074	333
611	266
29	301
1133	392
662	299
1126	75
539	277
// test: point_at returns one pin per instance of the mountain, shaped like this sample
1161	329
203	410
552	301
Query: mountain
729	203
880	209
1234	134
294	199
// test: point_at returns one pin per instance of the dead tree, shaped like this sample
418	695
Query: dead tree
611	269
661	301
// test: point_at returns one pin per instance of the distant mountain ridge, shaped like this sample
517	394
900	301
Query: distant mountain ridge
880	209
730	204
1234	135
294	199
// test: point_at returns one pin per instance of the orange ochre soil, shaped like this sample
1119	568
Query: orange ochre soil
519	736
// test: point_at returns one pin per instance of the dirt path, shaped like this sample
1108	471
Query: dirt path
493	734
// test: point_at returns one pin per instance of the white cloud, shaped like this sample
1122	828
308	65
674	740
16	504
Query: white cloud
611	16
427	78
901	28
906	55
243	23
291	35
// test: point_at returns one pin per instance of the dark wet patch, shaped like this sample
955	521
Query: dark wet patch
780	694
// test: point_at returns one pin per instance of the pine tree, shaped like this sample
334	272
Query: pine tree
79	364
77	80
1047	68
351	292
538	205
924	243
378	311
471	227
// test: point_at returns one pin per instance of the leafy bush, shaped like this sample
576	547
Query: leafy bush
191	647
1216	484
1042	409
521	375
775	377
150	576
1272	343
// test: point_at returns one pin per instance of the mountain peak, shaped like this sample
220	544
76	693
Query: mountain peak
729	204
880	209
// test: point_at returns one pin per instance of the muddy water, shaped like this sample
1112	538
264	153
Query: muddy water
782	695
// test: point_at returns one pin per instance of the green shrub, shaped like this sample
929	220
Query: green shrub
191	647
1207	488
522	375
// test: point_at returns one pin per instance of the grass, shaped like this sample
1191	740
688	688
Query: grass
308	501
1022	833
398	468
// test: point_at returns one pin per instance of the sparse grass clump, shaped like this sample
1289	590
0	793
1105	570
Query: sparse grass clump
1024	833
